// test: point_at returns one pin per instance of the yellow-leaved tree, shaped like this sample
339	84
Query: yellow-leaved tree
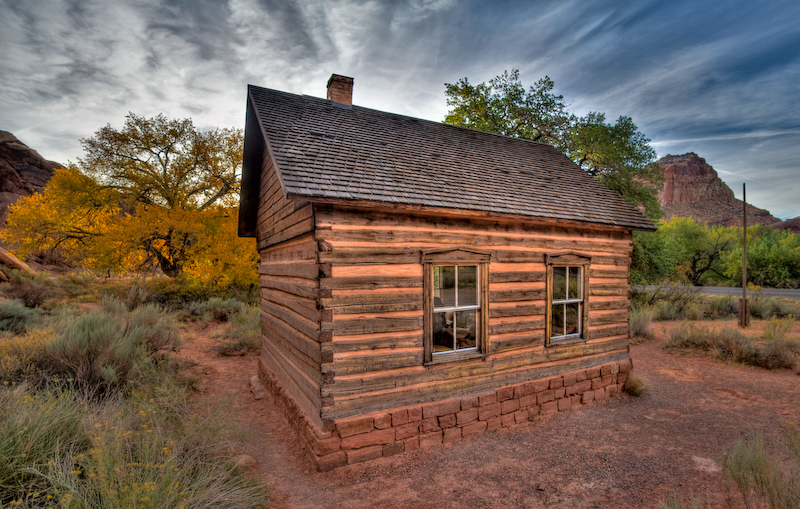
156	193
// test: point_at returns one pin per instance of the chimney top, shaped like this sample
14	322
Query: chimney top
340	90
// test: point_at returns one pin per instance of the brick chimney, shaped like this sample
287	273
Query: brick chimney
340	90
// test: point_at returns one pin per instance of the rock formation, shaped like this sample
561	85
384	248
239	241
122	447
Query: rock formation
692	188
22	171
792	224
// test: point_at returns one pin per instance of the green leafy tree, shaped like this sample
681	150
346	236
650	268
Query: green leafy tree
773	257
616	154
696	249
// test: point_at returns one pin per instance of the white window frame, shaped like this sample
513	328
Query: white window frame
566	301
457	308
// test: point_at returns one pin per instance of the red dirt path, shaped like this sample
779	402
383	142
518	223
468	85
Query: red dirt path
629	452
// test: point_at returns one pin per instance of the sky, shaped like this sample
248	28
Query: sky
718	78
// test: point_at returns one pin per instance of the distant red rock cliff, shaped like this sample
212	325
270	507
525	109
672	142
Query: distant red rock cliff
22	171
692	188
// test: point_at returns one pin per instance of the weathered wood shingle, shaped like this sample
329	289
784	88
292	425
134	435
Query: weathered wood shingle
324	151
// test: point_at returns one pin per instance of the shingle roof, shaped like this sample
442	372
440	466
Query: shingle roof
325	151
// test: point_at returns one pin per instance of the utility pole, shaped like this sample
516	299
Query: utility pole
744	309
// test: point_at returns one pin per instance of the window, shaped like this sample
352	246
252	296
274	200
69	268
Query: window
455	302
456	308
567	277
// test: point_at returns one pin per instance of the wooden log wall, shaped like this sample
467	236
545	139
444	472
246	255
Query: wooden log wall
288	272
370	295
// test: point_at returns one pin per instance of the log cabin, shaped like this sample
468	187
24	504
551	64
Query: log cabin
420	282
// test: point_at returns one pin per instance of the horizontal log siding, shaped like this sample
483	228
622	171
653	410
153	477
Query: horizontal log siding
290	312
371	300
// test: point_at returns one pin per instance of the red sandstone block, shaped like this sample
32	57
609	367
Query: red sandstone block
451	435
415	414
533	412
487	399
605	380
493	423
599	394
448	406
410	444
622	378
614	378
399	417
470	402
350	427
570	379
365	454
392	449
520	391
430	424
331	461
540	385
576	400
593	372
615	368
326	446
625	366
555	383
383	421
527	401
605	369
447	421
429	439
587	397
546	396
467	416
406	430
564	404
612	390
596	383
550	408
505	393
508	420
314	432
489	411
560	392
509	406
378	437
521	416
580	376
473	429
583	386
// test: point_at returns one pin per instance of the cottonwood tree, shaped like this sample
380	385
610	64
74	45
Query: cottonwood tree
157	193
618	155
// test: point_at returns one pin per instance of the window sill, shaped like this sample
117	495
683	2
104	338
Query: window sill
566	341
453	357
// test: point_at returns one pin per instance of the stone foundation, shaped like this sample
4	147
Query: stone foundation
386	433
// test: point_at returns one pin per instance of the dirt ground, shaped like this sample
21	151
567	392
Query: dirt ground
629	452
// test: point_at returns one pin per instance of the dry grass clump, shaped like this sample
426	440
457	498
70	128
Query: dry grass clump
242	334
634	386
640	323
730	345
31	289
16	317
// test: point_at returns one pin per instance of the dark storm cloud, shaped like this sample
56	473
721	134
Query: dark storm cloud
716	78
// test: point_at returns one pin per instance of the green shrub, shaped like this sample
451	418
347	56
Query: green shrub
32	289
641	318
78	283
635	387
25	358
722	305
136	297
161	333
730	345
693	312
777	328
222	310
99	351
667	311
243	333
35	429
15	316
758	477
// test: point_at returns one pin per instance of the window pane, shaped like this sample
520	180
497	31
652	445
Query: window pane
574	283
559	283
572	317
468	285
443	331
557	322
466	329
445	287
